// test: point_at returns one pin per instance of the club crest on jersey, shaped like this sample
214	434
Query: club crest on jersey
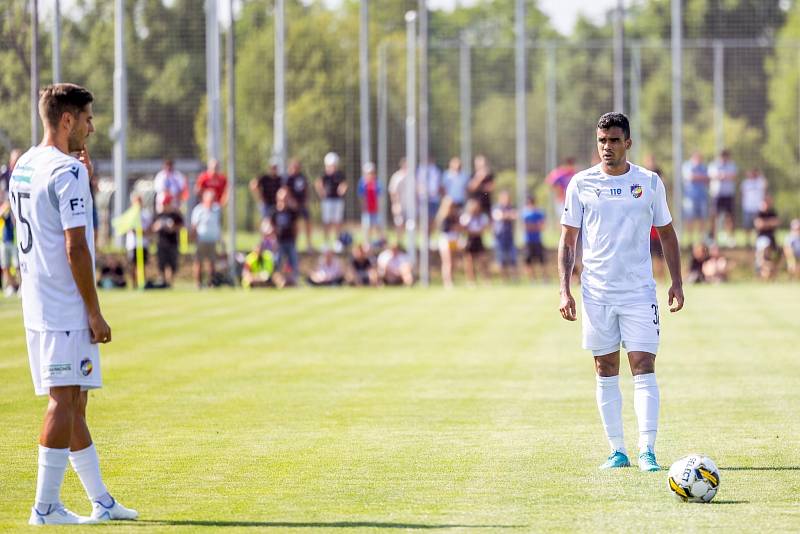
86	367
636	190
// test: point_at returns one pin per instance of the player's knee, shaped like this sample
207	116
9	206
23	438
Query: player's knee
64	399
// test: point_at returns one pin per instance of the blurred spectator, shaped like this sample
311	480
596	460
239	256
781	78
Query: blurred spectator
258	267
722	172
207	228
112	275
394	267
329	271
398	197
695	196
8	250
558	179
481	185
447	220
716	266
656	253
298	190
331	187
534	218
504	216
474	222
214	180
455	183
430	177
699	257
167	226
284	221
130	239
265	188
369	191
791	249
753	189
364	272
767	252
170	186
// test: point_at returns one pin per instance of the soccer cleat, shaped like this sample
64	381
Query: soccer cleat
616	459
647	461
56	515
114	512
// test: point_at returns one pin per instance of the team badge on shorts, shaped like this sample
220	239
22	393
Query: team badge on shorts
86	367
636	190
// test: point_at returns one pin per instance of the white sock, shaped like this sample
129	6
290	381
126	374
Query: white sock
609	402
52	464
87	466
646	403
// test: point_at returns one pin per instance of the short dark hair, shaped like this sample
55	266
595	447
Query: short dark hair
615	119
56	99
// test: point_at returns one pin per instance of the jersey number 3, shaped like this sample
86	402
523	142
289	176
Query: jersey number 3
24	247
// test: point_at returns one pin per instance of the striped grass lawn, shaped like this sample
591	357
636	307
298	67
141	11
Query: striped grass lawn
381	410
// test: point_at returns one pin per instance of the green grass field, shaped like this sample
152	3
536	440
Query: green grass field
376	410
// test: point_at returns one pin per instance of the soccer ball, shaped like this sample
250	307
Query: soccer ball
694	478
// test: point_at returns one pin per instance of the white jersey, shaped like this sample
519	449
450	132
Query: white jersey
50	193
615	214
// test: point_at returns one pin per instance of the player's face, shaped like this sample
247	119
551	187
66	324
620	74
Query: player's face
612	146
82	127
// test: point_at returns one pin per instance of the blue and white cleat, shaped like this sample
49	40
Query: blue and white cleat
116	511
647	460
617	459
56	515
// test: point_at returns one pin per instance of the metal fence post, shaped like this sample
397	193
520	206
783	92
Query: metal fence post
411	135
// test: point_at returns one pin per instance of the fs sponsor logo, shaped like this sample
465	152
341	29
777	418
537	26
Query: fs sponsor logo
636	190
76	204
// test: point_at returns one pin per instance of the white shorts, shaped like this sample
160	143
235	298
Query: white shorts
332	210
60	358
636	326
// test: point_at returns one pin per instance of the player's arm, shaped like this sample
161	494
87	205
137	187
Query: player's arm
672	255
79	258
567	247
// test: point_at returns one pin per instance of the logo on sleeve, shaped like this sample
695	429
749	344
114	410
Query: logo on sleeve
74	171
77	204
636	190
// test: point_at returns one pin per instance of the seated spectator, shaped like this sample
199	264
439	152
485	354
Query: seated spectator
474	221
767	252
328	272
258	267
447	220
504	215
364	272
791	249
699	257
394	267
716	266
167	227
112	275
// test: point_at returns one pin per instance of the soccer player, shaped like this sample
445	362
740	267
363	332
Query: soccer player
614	204
52	204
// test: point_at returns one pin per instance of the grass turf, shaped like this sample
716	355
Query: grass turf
375	410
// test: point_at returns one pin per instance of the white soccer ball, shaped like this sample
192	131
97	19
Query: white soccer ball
694	478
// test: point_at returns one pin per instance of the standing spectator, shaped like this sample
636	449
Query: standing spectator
364	272
369	191
331	187
265	188
429	178
767	252
695	196
398	198
8	250
558	179
298	190
329	271
167	226
394	267
170	186
449	233
504	216
284	221
258	267
791	248
753	189
212	179
722	172
146	217
455	183
474	221
207	227
534	218
481	185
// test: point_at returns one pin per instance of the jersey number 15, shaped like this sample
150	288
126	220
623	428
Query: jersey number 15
24	247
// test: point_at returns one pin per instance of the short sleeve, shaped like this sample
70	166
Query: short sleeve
573	209
70	190
195	220
661	214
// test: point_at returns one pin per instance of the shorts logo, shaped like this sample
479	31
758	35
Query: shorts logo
54	370
86	367
636	190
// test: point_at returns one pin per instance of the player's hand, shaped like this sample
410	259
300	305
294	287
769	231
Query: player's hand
567	307
101	332
676	296
83	157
